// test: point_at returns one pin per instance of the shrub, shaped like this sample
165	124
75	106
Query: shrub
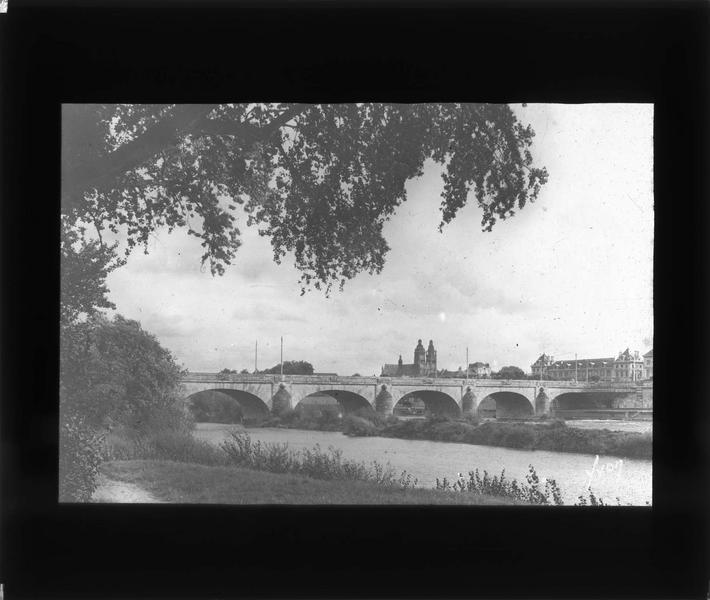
498	485
370	414
634	445
452	431
359	426
170	417
329	418
313	462
432	418
288	416
178	446
519	437
80	454
117	447
472	419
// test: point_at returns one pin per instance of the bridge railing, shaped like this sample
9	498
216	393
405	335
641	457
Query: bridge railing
202	377
273	378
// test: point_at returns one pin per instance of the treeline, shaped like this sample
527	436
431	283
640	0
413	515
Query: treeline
290	367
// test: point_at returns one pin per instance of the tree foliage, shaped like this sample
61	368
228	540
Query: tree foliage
510	372
115	372
85	264
319	180
291	367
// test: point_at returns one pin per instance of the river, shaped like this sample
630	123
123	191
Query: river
628	479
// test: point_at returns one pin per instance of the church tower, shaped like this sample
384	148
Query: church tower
431	358
420	358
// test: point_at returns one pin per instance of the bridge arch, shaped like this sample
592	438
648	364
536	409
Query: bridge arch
505	405
435	401
346	400
251	405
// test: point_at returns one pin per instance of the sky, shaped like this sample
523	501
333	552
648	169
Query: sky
570	273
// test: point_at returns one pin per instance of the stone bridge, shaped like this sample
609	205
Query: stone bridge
260	394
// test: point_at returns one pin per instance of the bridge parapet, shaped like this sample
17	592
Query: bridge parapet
203	377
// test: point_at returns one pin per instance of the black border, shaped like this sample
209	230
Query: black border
329	52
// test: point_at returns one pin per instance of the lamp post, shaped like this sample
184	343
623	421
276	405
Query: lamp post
466	365
575	367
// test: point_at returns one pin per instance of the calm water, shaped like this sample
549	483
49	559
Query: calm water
628	479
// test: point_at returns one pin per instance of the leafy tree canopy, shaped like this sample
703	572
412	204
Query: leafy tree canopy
319	180
291	367
85	264
510	372
114	371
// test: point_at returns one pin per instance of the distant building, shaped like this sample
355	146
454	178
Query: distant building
458	374
626	366
479	369
424	364
648	364
540	366
476	370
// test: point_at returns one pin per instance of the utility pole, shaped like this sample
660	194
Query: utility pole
282	357
256	353
575	367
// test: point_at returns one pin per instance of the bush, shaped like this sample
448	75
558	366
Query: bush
313	462
330	418
519	437
497	485
359	426
634	445
170	417
117	447
370	414
472	419
178	446
433	418
451	431
80	454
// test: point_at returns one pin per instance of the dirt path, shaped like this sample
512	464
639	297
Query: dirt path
110	490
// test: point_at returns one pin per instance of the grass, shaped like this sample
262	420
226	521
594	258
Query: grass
192	483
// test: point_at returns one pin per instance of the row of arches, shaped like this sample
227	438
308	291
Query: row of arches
502	404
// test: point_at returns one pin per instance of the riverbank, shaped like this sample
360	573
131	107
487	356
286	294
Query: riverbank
628	479
554	437
188	483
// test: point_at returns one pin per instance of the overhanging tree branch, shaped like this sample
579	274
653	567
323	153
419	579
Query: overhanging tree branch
187	118
103	170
